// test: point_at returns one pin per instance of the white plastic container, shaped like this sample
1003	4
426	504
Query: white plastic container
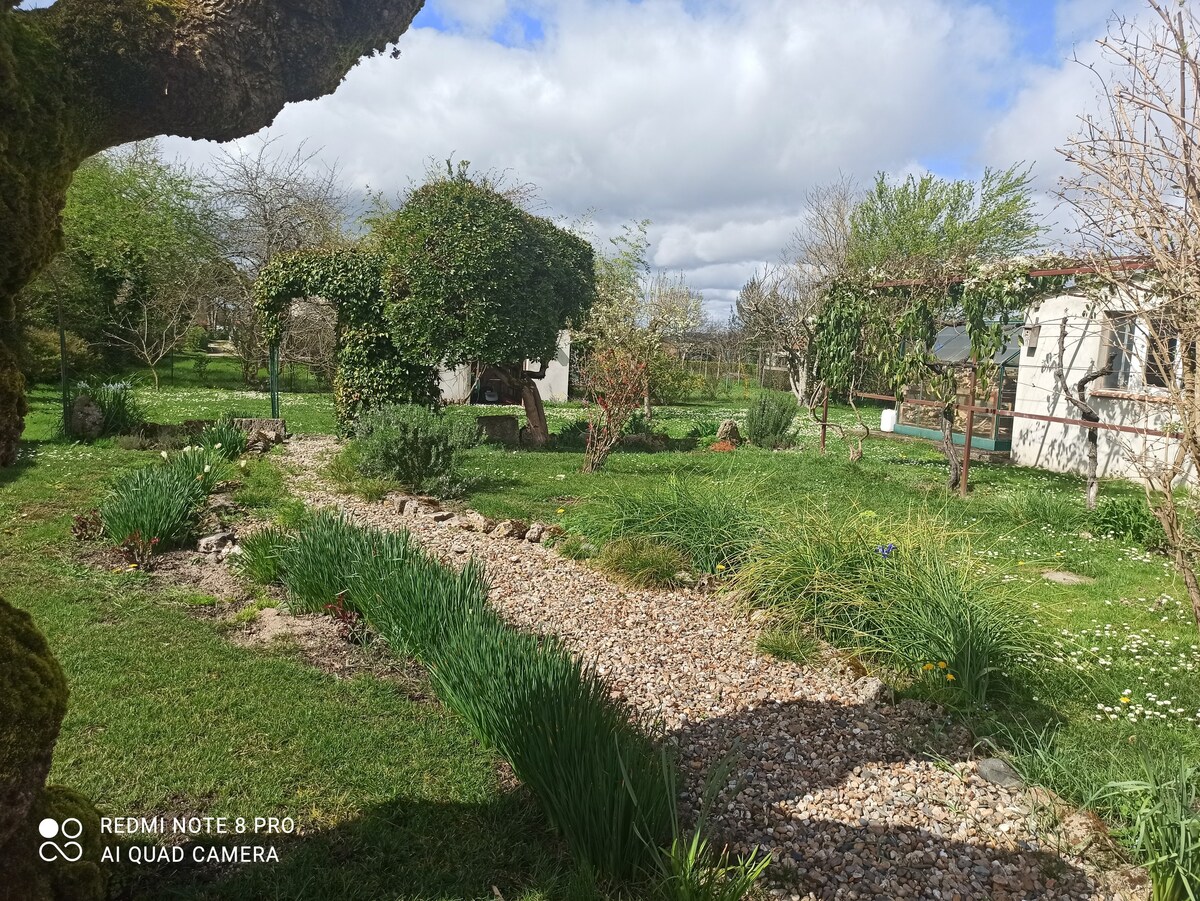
887	421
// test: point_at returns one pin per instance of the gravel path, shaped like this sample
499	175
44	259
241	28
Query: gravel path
855	797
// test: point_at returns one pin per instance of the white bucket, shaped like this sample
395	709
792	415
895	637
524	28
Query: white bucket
887	421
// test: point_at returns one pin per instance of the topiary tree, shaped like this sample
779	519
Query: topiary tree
474	278
372	369
82	75
33	701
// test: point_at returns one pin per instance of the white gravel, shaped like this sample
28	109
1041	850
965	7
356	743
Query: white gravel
853	796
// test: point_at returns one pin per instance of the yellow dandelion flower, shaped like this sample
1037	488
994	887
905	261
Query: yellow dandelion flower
561	510
949	677
927	667
720	567
1125	700
941	664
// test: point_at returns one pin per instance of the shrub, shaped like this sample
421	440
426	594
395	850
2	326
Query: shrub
262	555
197	338
643	563
709	523
121	413
155	503
769	419
40	355
417	447
1164	826
671	382
692	871
1129	519
224	437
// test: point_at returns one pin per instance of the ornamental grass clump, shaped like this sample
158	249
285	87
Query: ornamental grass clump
908	595
643	563
770	418
156	506
600	778
712	524
419	448
1162	814
261	559
206	467
224	438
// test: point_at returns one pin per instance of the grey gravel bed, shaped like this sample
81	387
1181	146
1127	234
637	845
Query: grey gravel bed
855	797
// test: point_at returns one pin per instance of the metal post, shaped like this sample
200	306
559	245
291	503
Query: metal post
824	419
62	364
970	433
273	378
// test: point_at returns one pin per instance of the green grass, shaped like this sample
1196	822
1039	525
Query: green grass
396	798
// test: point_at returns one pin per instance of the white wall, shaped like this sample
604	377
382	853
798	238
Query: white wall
1063	448
456	384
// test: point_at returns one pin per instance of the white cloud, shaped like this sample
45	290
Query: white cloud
711	120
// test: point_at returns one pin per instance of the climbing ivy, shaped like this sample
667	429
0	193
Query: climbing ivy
372	368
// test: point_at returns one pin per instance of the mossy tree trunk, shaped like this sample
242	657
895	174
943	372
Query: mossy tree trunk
83	75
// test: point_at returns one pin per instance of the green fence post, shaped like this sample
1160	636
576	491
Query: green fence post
273	377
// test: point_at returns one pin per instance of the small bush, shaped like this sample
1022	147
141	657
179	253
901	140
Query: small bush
709	523
225	438
794	643
261	559
704	429
769	419
643	563
1163	828
40	355
1127	519
155	503
121	412
419	448
693	871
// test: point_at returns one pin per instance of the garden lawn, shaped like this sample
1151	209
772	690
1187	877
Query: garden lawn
167	717
1126	632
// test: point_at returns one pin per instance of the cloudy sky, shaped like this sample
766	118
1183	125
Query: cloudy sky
711	118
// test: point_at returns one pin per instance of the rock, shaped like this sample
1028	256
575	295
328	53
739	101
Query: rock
261	442
501	429
87	419
231	550
728	431
211	544
998	771
1062	577
440	515
537	531
399	503
474	522
510	528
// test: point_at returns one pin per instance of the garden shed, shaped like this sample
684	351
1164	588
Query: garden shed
991	433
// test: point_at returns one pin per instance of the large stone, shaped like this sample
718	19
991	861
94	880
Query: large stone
500	429
510	528
728	431
87	419
474	522
537	531
999	772
212	544
279	426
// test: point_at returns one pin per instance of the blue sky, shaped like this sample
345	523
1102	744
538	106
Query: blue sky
712	118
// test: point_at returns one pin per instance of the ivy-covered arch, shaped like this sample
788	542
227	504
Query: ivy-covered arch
371	367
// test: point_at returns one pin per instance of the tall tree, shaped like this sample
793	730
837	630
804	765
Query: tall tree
140	256
475	278
1137	193
82	75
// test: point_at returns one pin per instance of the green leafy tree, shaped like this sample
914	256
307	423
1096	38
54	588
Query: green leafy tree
922	255
140	256
472	277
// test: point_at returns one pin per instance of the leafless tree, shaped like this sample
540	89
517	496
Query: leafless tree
1138	201
1079	400
779	306
275	203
